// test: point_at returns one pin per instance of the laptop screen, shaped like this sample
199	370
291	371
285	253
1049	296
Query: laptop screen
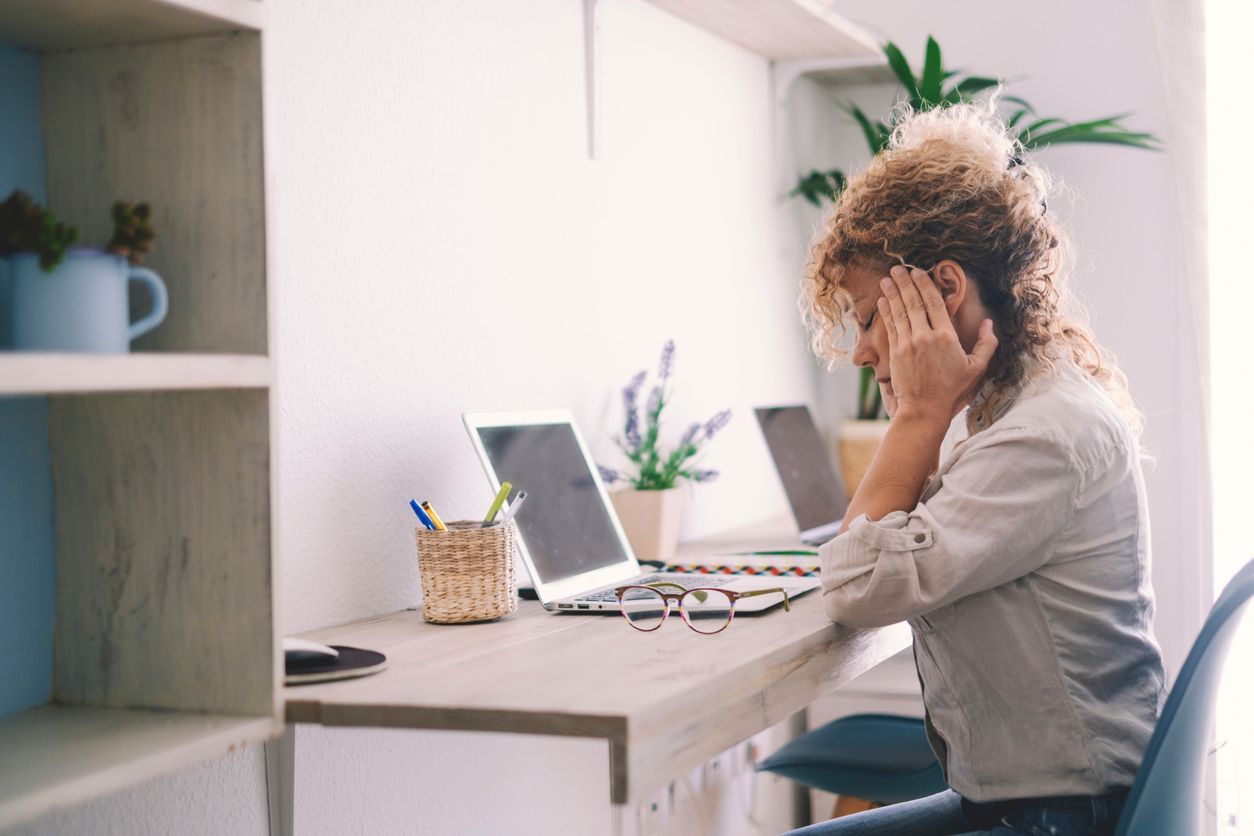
813	488
565	525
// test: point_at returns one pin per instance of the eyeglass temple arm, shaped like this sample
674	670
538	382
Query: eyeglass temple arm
771	591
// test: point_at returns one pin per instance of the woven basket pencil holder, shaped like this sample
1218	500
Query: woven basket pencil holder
467	572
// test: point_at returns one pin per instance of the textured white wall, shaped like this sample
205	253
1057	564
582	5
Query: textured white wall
440	242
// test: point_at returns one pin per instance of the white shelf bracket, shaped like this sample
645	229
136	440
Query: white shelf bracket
591	53
784	74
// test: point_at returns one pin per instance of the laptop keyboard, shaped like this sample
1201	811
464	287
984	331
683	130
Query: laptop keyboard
704	581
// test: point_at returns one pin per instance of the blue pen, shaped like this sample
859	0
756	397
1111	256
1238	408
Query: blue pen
422	515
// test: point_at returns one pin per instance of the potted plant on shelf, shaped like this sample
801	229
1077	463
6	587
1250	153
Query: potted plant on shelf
650	504
65	299
858	439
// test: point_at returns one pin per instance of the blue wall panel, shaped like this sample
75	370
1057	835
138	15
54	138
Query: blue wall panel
27	563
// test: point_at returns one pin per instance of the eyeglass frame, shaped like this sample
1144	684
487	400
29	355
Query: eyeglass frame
677	597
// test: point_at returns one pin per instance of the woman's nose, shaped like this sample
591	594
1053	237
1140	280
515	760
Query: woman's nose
862	353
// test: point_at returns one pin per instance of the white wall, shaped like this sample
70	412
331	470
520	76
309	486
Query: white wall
440	242
435	222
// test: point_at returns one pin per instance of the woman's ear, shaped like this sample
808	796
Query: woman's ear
952	282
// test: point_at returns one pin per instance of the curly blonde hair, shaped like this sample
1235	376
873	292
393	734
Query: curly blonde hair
952	184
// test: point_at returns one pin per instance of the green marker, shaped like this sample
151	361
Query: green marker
506	487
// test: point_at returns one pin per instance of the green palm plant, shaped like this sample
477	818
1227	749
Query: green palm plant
938	87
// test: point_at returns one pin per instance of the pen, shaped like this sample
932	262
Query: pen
506	487
513	507
422	516
435	518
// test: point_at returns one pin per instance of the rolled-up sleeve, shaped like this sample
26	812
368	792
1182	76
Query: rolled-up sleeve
996	514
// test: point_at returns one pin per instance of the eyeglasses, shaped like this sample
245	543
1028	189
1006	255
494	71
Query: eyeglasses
706	610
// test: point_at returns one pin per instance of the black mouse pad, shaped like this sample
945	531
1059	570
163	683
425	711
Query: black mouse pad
352	661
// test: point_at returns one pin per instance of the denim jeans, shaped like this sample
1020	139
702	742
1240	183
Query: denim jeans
949	814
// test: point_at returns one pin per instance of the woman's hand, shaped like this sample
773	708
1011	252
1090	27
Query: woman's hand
889	398
932	375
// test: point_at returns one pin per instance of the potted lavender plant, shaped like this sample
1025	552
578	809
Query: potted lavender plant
650	504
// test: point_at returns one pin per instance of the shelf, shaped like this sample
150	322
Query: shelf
55	756
43	374
781	30
654	713
70	24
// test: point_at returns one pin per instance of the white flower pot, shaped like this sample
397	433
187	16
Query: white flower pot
856	444
651	520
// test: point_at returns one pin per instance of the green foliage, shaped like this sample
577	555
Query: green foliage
928	90
656	469
132	232
25	226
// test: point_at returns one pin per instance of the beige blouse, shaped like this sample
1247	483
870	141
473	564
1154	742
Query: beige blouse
1024	572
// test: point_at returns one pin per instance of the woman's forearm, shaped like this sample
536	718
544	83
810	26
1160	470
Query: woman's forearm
906	457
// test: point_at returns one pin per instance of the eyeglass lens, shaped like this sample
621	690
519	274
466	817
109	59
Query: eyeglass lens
645	608
706	610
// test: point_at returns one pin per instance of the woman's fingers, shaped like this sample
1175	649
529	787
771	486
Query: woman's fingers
890	324
933	303
896	307
911	299
985	346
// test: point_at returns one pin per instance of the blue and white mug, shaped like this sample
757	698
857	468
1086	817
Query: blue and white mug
82	305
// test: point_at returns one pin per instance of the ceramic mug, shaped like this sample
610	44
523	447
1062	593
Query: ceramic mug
82	305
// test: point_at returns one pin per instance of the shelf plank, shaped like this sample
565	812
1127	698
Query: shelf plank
666	701
71	24
48	373
56	756
781	30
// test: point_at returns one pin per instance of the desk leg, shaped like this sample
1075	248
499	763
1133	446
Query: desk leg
280	781
799	724
623	820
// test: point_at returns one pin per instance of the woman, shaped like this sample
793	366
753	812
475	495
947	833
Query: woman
1004	516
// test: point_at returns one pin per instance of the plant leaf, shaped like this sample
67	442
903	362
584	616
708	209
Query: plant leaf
933	74
876	133
901	68
969	87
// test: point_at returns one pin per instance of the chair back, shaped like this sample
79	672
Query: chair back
1167	795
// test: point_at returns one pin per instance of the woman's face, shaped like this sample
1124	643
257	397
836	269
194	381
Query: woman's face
870	348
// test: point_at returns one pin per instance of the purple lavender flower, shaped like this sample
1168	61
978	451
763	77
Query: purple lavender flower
667	363
690	435
631	429
608	474
717	423
704	475
655	400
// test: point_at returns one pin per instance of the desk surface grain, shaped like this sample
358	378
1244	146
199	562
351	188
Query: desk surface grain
665	701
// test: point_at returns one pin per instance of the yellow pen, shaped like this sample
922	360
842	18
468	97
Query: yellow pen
506	487
435	518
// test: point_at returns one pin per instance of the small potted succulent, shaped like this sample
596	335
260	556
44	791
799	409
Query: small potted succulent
650	502
74	299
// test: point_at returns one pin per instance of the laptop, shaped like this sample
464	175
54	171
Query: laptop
568	534
814	489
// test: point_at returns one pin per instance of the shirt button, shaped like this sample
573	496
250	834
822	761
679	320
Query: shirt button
919	538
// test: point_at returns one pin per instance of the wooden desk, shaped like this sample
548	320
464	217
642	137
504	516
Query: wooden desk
666	701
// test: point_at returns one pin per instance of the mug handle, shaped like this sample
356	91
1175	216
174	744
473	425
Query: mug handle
160	301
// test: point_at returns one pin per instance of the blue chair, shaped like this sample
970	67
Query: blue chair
877	757
1167	794
1165	798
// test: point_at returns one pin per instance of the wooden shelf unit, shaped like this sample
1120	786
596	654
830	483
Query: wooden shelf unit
47	374
55	756
781	30
71	24
165	629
